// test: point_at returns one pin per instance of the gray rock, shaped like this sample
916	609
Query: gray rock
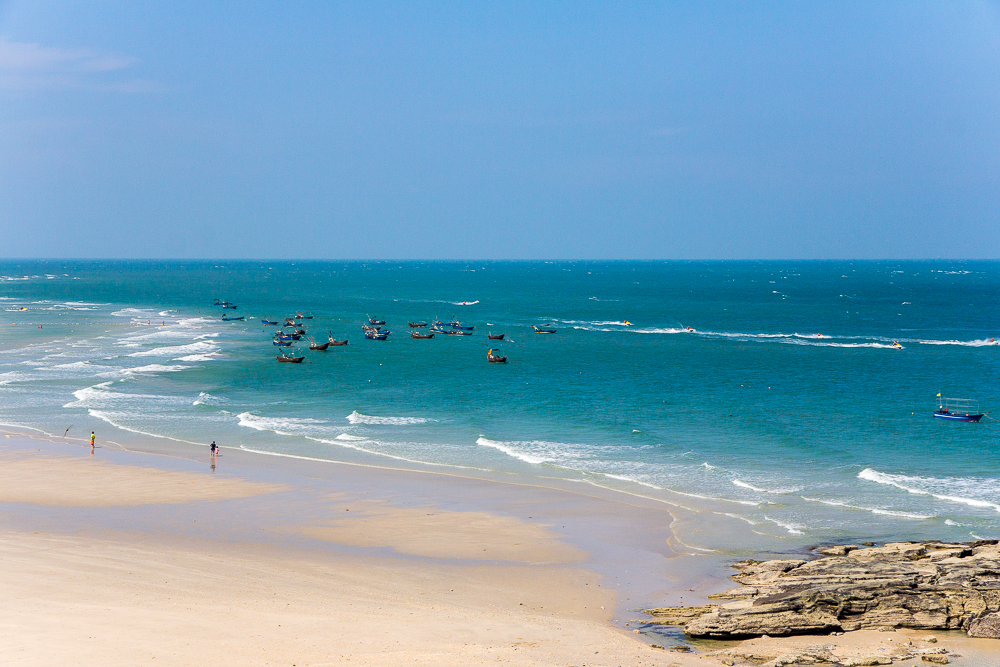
926	585
987	625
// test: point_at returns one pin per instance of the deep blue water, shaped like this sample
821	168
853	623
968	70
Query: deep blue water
788	407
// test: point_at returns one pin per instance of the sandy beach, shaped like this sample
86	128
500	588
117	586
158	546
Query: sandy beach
140	558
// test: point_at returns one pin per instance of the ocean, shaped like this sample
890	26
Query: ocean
769	394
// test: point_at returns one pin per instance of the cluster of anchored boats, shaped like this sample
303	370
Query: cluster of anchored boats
293	330
374	331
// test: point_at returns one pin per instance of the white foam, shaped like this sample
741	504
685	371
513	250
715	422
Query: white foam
205	398
747	485
464	303
350	438
279	425
358	418
211	356
790	527
132	312
921	486
98	396
73	365
985	342
506	448
873	510
143	370
169	350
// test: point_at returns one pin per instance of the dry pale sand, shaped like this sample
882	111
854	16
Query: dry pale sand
398	585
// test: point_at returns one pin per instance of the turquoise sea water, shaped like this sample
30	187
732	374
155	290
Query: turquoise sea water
787	410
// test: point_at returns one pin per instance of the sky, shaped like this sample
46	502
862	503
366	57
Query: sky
513	130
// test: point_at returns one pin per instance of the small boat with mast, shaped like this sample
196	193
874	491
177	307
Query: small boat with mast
958	409
543	329
495	336
414	334
334	342
290	358
495	357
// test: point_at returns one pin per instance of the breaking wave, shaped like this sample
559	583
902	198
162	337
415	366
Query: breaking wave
946	489
192	348
358	418
279	425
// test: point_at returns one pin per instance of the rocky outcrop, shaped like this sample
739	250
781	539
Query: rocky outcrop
922	585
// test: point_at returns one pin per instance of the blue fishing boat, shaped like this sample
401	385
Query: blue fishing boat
233	319
375	322
281	343
455	324
958	409
375	333
267	322
544	330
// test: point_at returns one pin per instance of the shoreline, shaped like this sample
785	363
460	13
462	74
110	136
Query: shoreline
301	515
559	562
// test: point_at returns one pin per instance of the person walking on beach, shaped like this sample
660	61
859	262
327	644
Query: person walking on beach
215	449
92	438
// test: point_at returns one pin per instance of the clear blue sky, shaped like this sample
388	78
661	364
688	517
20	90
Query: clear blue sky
506	130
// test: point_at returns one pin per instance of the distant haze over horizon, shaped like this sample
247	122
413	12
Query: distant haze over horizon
515	131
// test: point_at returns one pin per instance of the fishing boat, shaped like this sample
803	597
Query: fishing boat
316	346
375	333
267	322
455	324
226	304
495	358
417	325
375	322
289	359
301	316
414	334
334	342
281	343
958	409
495	336
545	330
456	332
233	319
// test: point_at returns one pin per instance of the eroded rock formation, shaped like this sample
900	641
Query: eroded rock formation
921	585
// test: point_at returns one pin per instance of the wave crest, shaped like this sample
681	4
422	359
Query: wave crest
358	418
